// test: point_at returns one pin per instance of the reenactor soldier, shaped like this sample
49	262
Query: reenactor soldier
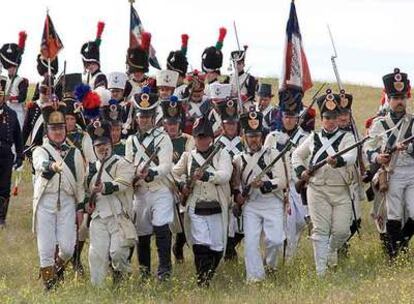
198	104
116	84
328	190
182	142
212	60
33	126
91	61
10	135
232	143
247	83
207	195
396	173
42	69
166	84
177	61
151	152
290	105
112	113
16	87
345	123
262	199
58	189
265	106
112	232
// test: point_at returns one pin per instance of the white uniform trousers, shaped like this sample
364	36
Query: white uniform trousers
106	240
331	213
55	227
295	221
265	214
153	209
235	224
400	195
207	230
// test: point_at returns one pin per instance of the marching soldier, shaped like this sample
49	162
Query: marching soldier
177	61
396	175
265	105
138	64
153	200
328	191
232	143
166	84
290	104
212	60
10	135
173	117
113	114
198	104
263	207
112	233
246	82
58	189
358	195
207	200
16	86
91	61
42	69
33	126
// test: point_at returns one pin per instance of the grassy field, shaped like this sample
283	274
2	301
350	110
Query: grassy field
365	277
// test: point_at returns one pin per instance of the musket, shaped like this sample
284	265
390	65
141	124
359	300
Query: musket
147	163
236	73
92	197
191	181
301	183
333	61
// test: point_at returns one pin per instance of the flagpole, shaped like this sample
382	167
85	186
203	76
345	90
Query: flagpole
49	68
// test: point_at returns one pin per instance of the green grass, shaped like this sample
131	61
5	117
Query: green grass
365	277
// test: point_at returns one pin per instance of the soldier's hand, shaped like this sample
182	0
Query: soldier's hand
89	209
257	184
185	191
97	188
305	175
383	158
56	167
79	217
237	210
142	174
401	147
240	199
198	174
331	161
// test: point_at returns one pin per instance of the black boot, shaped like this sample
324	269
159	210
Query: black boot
406	234
163	241
231	253
216	257
76	260
394	237
203	260
178	248
4	206
48	277
59	270
144	255
117	278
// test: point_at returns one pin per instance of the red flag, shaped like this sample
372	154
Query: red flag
295	71
51	43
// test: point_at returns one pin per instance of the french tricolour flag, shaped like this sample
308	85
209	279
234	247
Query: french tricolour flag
295	71
136	29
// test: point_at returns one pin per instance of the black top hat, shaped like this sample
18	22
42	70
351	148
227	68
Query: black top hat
239	55
137	60
396	84
290	101
70	81
328	104
252	122
228	110
100	132
265	90
212	57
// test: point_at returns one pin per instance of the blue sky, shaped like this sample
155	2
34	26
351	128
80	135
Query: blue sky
372	36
